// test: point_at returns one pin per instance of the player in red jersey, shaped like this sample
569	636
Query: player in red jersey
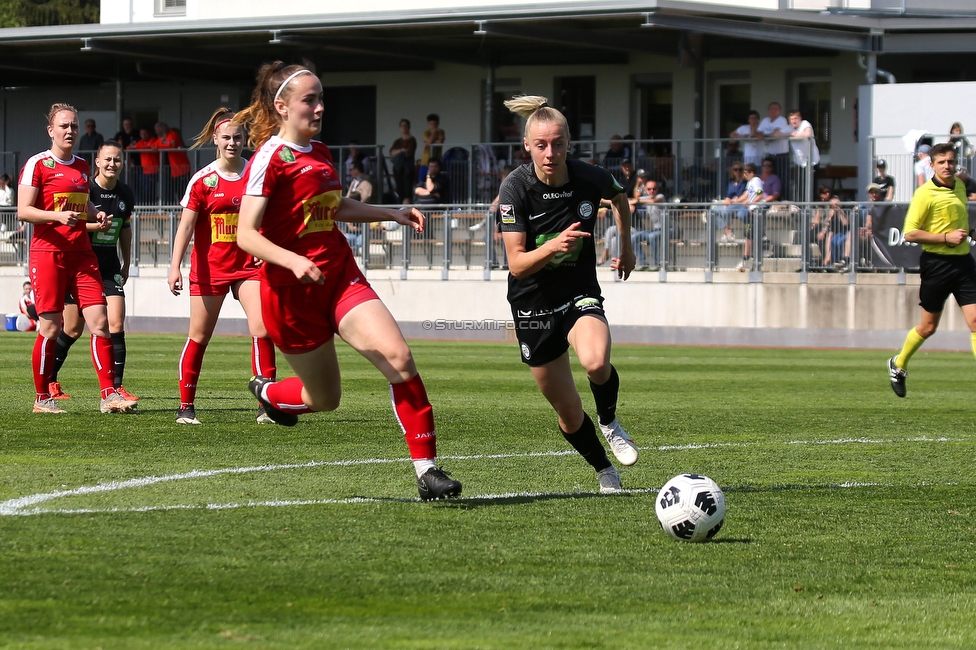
311	287
217	264
54	197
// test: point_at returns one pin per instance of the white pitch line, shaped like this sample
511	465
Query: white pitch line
21	506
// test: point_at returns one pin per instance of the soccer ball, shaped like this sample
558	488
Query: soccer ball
691	508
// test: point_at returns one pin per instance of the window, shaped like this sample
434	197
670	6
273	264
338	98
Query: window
813	98
576	99
170	8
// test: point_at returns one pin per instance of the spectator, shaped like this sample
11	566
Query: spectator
733	205
875	195
884	181
963	174
128	134
923	168
803	152
754	196
433	135
627	177
354	154
495	218
775	130
361	186
404	151
649	217
147	179
177	160
818	218
835	236
963	149
436	187
28	311
772	184
616	153
750	134
6	192
91	140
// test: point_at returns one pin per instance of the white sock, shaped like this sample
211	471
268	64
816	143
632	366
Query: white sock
421	466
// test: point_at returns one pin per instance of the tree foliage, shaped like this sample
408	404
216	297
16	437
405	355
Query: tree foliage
33	13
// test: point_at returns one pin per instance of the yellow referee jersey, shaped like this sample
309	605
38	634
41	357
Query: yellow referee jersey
939	209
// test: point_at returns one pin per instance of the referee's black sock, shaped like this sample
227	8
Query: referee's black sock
605	396
61	347
588	445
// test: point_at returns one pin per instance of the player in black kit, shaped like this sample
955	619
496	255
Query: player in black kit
115	198
548	209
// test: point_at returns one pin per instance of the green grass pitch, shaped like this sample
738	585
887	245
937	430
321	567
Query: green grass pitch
850	511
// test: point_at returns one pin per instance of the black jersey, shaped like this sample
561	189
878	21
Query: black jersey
116	203
526	204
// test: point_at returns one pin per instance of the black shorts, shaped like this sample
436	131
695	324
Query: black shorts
943	275
542	334
112	285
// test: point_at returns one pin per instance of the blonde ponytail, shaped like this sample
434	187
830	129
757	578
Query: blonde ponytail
536	108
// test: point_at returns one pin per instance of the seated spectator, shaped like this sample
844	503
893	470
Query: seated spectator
355	154
361	185
127	135
627	177
436	188
772	184
27	322
963	174
648	219
432	136
615	153
734	203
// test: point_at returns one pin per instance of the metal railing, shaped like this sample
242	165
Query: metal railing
900	157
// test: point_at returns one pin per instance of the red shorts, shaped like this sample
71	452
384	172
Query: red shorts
301	317
221	287
55	273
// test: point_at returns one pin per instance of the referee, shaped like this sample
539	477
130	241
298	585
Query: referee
938	220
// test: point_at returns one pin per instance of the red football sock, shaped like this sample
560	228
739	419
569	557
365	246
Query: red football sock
286	395
191	360
416	417
42	361
103	358
263	357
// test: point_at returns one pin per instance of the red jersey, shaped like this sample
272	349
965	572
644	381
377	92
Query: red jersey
216	257
62	187
303	192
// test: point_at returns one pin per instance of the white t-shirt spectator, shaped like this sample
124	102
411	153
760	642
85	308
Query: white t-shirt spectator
750	147
768	127
800	147
755	189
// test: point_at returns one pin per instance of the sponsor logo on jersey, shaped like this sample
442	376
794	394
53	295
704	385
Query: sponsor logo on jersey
49	163
559	258
306	168
585	304
72	202
508	212
585	209
223	228
210	181
286	154
320	212
558	195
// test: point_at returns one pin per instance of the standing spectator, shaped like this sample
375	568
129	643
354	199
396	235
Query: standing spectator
804	153
968	182
835	235
91	140
923	168
311	287
6	192
128	134
28	311
754	196
627	177
170	142
436	187
938	220
884	181
615	153
749	133
775	132
432	136
964	150
54	197
148	172
404	151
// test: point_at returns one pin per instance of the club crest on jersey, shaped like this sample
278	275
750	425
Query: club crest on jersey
286	154
508	212
49	163
526	353
122	205
210	181
585	209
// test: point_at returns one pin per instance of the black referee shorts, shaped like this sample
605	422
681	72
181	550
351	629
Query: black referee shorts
943	275
542	335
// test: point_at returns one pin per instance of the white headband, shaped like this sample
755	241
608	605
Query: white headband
290	77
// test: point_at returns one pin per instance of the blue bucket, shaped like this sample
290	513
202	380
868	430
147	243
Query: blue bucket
11	321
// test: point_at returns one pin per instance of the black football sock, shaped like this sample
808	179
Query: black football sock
118	346
605	396
588	445
61	347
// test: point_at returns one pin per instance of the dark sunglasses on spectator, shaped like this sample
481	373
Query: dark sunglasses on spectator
737	169
767	164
